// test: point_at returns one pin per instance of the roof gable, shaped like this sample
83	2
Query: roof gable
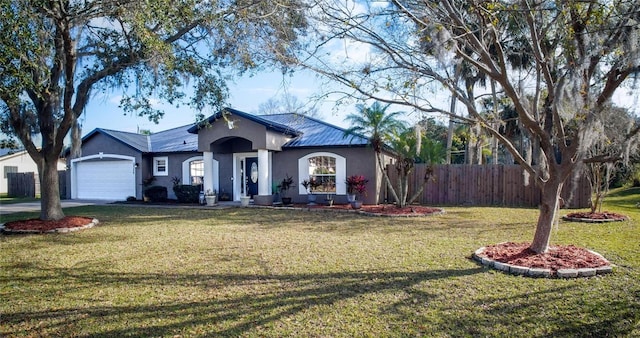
172	140
269	124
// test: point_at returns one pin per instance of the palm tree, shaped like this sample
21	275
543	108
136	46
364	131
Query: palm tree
379	127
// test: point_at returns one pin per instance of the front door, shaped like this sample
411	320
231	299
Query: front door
251	175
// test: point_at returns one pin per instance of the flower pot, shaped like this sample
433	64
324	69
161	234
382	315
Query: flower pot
211	200
311	198
356	204
351	197
286	200
244	201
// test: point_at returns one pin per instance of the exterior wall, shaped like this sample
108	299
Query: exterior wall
107	145
359	161
257	134
25	164
174	166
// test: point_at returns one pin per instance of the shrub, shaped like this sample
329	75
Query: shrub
156	193
131	199
187	193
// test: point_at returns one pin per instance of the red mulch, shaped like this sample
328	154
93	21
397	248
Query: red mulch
382	209
40	225
597	215
557	257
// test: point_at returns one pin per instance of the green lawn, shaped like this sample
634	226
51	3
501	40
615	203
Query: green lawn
5	199
273	273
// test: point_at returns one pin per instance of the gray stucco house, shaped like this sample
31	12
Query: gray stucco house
235	153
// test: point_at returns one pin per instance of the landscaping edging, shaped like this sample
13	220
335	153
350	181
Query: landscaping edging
91	224
593	220
540	272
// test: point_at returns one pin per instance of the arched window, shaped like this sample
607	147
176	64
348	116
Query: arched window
327	168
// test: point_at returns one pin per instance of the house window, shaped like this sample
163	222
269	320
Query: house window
161	166
322	169
10	169
196	172
328	168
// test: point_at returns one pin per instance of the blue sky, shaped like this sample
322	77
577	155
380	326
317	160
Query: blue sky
246	94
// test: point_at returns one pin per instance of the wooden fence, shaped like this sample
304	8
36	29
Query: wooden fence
28	184
485	185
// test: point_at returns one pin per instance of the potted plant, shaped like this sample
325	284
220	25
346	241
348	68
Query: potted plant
310	185
356	185
211	197
285	185
328	186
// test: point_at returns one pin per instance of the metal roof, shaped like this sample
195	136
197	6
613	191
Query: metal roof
306	132
133	140
172	140
315	133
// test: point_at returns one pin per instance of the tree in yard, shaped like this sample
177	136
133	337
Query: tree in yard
580	53
386	132
54	54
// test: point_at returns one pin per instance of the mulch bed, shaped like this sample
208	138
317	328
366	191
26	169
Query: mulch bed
595	217
557	257
37	225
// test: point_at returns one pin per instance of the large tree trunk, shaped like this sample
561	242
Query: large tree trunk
549	204
50	206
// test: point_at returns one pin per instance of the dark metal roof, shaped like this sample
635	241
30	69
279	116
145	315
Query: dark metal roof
136	141
172	140
315	133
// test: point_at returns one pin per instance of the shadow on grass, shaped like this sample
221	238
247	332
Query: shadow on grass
266	299
255	304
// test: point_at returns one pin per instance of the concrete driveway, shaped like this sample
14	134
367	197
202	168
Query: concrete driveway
6	209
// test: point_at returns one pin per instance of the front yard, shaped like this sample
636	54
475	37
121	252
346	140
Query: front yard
255	272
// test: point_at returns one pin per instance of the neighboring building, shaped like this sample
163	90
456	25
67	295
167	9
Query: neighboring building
235	153
18	161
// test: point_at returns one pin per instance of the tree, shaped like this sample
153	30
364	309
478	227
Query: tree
386	132
379	127
580	54
53	54
287	103
601	167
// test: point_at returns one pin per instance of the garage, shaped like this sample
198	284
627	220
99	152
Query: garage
108	179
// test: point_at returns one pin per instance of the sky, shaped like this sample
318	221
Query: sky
246	94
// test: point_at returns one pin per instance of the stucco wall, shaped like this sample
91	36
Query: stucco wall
215	137
174	165
359	161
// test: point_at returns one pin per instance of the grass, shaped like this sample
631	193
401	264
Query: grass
5	199
273	273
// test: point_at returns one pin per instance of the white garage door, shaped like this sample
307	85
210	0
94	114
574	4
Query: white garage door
105	180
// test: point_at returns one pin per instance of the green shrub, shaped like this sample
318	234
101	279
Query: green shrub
156	193
187	193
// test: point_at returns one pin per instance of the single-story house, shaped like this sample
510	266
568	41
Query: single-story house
232	152
18	161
